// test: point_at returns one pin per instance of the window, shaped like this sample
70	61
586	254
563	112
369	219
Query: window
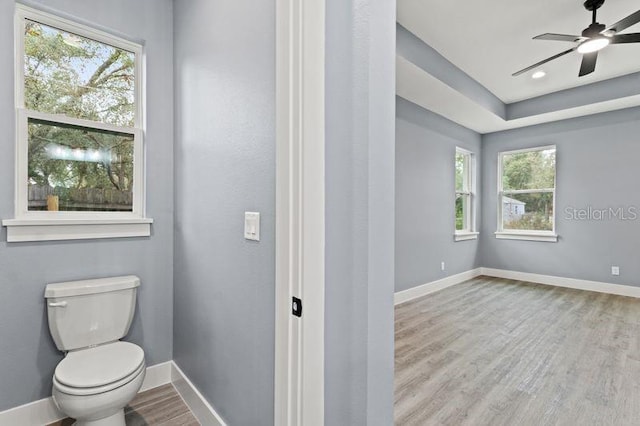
79	170
526	194
465	203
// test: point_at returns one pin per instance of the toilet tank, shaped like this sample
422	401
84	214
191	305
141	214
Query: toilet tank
90	312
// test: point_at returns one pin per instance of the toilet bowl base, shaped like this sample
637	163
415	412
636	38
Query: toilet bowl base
116	419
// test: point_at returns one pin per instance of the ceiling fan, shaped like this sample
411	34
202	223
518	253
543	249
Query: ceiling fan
593	39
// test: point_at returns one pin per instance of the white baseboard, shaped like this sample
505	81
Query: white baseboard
600	287
35	413
44	411
157	375
199	406
424	289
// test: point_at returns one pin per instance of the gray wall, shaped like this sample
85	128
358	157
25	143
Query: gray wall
425	196
28	353
225	165
597	166
360	89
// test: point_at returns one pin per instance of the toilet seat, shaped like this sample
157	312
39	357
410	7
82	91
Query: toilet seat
99	369
100	389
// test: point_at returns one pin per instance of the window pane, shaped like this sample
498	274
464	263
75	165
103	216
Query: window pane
76	76
460	221
461	168
86	169
529	170
528	211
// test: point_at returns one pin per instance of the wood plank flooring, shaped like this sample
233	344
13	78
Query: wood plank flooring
161	406
499	352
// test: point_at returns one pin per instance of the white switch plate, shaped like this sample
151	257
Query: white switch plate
442	266
252	226
615	270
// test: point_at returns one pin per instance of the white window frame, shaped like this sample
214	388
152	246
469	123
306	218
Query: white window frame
469	191
529	235
43	225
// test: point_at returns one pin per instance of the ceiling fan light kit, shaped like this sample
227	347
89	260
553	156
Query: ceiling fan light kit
593	39
593	45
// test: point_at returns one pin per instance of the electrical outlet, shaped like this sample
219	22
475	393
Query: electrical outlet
442	266
615	270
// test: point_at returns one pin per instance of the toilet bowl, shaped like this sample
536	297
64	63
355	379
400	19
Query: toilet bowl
94	385
100	374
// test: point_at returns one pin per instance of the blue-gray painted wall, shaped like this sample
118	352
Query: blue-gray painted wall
28	353
597	167
225	165
425	196
360	90
600	91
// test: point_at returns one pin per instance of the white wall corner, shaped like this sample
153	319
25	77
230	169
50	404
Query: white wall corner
199	406
578	284
441	284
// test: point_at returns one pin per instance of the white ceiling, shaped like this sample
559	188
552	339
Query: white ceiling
419	87
490	40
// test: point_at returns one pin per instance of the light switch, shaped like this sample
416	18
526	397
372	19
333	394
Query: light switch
252	226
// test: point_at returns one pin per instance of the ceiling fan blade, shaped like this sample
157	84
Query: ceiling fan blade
558	37
588	63
626	38
543	62
630	20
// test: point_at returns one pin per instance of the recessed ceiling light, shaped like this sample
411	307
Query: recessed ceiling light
538	74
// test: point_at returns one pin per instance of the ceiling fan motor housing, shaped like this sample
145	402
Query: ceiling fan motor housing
592	5
593	30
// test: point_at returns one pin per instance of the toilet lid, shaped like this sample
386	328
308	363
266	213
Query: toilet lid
100	365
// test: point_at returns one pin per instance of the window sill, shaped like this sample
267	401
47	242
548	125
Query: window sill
465	236
527	236
28	230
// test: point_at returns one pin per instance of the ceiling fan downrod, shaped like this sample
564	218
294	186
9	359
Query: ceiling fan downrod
593	6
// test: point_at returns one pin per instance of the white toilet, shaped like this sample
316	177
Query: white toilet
99	375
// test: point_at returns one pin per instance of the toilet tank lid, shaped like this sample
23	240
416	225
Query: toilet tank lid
100	285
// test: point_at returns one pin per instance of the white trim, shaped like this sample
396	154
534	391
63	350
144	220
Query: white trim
526	191
157	375
69	25
465	236
199	406
424	289
23	12
79	122
53	229
531	149
468	189
300	232
35	413
597	286
21	207
44	411
57	230
527	236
